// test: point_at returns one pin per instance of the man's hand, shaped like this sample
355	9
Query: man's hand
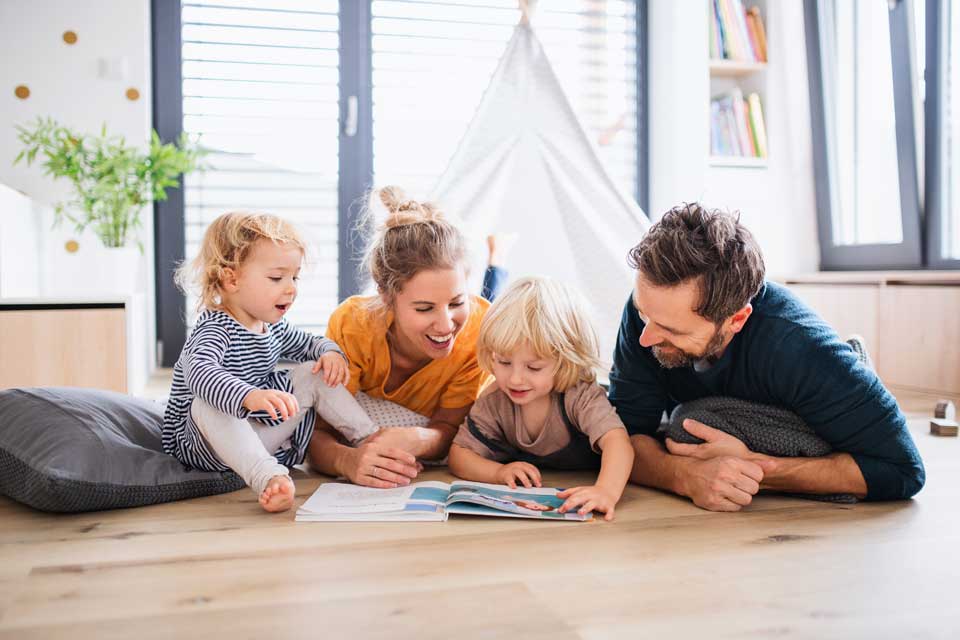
275	403
716	443
724	483
335	370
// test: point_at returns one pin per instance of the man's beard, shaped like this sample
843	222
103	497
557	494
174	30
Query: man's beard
676	358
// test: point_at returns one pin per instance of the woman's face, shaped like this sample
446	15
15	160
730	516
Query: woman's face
429	312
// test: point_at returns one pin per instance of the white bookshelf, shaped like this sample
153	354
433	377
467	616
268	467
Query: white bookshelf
749	77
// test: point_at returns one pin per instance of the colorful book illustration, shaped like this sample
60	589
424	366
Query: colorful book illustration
431	502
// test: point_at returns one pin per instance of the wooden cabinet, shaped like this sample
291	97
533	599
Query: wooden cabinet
72	343
910	321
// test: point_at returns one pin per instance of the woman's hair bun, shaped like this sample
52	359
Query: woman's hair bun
402	211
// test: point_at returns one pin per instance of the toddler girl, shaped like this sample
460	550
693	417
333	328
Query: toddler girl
546	409
229	407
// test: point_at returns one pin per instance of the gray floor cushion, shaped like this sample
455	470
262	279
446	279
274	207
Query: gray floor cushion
68	449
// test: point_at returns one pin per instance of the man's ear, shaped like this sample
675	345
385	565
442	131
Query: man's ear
738	319
228	280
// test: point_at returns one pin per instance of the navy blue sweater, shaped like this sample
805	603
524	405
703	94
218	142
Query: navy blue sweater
785	355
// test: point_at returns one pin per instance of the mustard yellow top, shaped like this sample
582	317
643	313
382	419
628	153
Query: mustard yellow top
451	382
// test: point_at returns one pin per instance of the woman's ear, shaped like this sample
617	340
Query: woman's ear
386	299
228	280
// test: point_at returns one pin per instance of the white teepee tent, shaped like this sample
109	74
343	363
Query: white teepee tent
526	166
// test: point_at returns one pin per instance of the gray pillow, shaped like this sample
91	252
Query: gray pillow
68	449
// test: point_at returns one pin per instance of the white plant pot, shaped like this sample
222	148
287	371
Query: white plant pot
93	270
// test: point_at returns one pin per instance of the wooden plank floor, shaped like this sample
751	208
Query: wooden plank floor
218	567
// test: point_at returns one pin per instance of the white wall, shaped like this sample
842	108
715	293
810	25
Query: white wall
67	82
777	202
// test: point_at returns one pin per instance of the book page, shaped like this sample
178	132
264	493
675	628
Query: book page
334	497
535	502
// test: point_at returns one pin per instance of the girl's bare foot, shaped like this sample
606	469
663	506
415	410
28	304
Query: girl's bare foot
279	494
499	246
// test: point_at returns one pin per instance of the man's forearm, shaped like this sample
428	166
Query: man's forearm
834	473
654	466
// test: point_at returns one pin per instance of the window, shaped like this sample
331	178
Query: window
432	60
260	90
943	134
862	106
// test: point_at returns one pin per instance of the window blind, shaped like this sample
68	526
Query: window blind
260	90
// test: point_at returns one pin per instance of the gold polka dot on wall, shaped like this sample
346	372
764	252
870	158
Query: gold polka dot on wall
22	91
72	246
70	37
133	94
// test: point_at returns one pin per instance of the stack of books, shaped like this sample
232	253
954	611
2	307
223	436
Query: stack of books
736	126
736	33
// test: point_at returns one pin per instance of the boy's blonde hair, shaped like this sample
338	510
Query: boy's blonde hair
413	237
226	244
552	318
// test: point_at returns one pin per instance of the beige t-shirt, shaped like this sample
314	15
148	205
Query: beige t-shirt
499	419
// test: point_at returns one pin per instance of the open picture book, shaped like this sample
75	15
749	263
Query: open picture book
431	501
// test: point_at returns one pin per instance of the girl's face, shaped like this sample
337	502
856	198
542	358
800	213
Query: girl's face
430	311
265	286
523	375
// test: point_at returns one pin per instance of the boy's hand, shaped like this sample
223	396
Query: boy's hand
273	402
523	472
592	498
335	370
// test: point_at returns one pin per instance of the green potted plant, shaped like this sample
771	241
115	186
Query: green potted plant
111	184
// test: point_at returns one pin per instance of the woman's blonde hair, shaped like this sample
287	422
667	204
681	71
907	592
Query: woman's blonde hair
226	245
549	316
414	236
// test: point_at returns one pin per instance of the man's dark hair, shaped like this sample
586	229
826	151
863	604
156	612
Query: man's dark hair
709	245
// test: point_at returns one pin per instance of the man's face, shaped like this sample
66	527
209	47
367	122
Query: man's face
674	332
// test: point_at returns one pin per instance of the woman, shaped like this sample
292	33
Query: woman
414	344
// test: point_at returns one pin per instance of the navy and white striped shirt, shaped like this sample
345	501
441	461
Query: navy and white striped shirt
221	362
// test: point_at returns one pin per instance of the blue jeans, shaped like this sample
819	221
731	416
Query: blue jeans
493	280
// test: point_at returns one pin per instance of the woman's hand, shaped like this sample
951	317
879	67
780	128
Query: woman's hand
591	498
522	472
335	369
377	464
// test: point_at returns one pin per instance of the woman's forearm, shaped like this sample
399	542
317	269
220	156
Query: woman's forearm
325	454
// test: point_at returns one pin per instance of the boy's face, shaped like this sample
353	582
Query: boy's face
523	375
265	286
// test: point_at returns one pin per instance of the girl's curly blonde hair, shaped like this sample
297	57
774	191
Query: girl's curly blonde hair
549	316
226	245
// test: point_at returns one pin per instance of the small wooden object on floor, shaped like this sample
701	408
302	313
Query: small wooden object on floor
943	427
945	410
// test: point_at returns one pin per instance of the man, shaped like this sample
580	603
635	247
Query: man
702	322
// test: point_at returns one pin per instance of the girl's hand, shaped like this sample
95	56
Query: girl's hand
335	370
273	402
593	498
523	472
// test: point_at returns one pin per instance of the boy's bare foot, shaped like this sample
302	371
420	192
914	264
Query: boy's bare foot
279	494
499	246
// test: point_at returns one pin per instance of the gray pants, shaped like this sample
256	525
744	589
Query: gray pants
248	447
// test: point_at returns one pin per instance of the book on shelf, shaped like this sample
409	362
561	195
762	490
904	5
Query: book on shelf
737	126
736	33
431	502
